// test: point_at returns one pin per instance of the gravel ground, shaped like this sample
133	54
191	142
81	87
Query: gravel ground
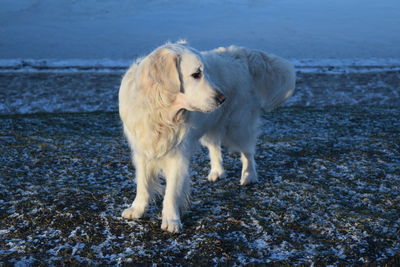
329	193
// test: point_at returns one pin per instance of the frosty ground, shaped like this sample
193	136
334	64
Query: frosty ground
329	193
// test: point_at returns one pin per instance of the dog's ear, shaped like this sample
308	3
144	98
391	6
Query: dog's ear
162	70
161	84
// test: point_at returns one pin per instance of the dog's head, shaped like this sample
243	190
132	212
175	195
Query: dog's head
175	77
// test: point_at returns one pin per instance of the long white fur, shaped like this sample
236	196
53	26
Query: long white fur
165	111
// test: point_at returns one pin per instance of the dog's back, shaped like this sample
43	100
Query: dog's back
272	78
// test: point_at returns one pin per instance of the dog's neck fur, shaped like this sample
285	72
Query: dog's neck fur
168	133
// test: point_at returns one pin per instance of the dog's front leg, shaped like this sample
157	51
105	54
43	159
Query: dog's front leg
177	191
146	180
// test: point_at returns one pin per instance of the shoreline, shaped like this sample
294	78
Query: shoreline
308	65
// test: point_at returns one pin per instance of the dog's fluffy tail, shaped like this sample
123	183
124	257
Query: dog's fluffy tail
275	78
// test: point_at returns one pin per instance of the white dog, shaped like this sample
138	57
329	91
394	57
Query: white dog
176	96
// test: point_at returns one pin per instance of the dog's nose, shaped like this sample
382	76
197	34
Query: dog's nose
220	98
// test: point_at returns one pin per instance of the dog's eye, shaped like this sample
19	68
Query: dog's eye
197	75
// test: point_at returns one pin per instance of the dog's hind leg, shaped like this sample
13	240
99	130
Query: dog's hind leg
147	185
214	149
177	192
244	141
217	170
249	173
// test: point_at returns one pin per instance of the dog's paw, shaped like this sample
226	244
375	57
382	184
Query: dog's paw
172	226
132	213
248	178
214	175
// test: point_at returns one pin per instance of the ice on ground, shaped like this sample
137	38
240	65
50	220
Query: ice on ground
332	66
